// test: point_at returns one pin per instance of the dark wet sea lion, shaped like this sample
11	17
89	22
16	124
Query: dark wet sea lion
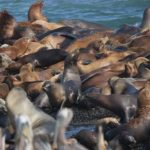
71	78
68	89
44	57
136	130
40	121
145	25
124	106
35	12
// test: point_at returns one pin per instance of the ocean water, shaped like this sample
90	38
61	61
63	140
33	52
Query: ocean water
111	13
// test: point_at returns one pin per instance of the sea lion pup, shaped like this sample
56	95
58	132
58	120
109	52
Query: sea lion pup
17	103
85	41
44	57
124	106
122	86
7	26
35	12
145	25
26	74
136	130
64	117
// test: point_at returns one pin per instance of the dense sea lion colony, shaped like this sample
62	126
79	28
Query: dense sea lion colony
73	64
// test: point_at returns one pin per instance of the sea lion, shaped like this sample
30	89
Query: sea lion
44	57
64	117
111	58
35	12
7	25
71	78
41	122
85	41
136	130
145	25
124	106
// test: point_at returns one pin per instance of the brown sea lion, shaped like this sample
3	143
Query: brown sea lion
111	58
136	130
145	25
85	41
41	122
35	12
55	92
7	25
124	106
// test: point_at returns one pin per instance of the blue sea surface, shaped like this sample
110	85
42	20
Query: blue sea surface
111	13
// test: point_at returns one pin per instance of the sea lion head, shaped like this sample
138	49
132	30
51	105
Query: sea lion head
146	20
71	60
7	25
